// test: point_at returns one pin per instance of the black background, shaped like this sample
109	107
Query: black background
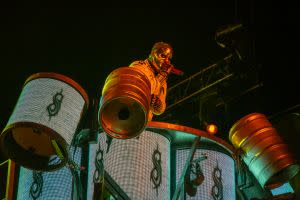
87	41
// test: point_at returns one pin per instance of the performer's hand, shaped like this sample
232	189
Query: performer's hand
156	103
166	69
164	72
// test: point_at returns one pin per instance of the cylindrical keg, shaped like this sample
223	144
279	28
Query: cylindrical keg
125	103
265	153
44	121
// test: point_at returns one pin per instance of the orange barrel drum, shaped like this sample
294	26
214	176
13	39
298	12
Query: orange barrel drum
125	103
44	121
264	151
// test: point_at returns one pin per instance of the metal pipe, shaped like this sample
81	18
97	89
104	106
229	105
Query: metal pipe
187	163
201	90
254	87
284	111
202	71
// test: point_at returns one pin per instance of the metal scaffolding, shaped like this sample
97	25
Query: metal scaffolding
200	82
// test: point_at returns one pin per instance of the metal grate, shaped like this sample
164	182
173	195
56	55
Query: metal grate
57	185
129	163
215	159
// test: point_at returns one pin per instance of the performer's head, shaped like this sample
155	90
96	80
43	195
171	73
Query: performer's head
161	55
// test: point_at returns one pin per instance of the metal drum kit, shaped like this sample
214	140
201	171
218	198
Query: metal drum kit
135	158
152	165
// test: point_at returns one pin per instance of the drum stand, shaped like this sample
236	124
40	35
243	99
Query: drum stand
179	192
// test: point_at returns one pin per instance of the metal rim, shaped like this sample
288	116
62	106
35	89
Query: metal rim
48	132
63	78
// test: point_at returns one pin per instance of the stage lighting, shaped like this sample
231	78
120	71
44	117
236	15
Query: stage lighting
211	128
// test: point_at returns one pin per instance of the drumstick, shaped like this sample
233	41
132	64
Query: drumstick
57	149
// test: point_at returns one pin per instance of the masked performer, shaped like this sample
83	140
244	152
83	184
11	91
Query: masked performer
157	67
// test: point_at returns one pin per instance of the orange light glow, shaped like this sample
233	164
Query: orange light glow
212	129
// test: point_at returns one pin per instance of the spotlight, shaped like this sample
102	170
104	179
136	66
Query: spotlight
211	128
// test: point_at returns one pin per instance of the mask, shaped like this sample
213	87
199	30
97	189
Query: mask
161	55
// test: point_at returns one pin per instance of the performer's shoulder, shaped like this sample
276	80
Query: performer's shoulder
137	62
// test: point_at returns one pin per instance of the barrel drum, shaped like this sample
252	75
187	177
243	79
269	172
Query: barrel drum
125	103
44	121
215	173
264	151
55	185
140	167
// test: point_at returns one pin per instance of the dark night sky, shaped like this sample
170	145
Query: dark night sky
86	42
